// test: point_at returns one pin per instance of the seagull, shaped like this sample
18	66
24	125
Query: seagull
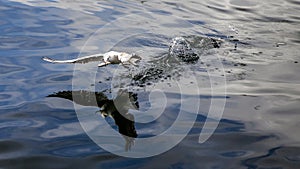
111	57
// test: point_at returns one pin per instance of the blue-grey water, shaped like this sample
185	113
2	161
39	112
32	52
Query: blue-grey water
259	50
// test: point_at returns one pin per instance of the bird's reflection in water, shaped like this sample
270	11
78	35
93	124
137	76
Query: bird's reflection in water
116	108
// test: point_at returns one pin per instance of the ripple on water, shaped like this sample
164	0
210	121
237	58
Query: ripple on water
4	96
7	69
16	123
9	146
234	154
276	157
244	6
8	99
60	78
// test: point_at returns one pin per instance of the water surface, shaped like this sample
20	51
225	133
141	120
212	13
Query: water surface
259	52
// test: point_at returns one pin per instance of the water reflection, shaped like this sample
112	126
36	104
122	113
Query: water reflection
116	108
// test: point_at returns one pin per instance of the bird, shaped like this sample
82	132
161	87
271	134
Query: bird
111	57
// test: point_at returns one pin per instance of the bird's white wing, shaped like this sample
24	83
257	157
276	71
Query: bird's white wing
85	59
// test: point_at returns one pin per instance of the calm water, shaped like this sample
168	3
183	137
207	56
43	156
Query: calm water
259	50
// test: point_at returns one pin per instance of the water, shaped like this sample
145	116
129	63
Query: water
259	52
